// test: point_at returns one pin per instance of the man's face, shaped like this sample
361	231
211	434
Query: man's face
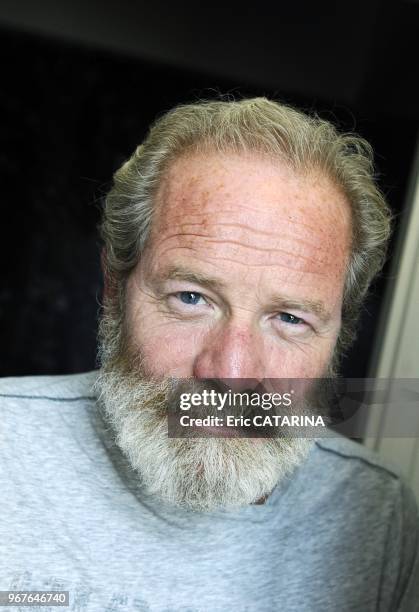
243	273
241	279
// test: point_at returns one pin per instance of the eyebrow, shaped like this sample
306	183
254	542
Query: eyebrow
278	302
184	274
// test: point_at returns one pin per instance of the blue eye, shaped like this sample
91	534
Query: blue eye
190	297
289	318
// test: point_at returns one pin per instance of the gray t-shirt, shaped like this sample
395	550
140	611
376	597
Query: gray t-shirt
340	535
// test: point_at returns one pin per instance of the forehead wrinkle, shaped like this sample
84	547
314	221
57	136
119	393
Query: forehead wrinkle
253	237
205	216
201	206
270	250
305	234
247	265
242	226
268	265
297	259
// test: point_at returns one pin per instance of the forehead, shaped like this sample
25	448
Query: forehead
253	209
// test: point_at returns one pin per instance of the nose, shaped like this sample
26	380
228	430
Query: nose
233	355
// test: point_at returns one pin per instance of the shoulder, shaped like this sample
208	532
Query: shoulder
361	477
373	493
354	456
47	423
66	388
31	404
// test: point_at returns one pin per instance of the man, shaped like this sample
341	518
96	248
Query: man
239	242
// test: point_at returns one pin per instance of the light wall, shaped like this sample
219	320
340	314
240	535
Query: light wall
397	352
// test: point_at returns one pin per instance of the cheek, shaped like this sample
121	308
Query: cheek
166	346
171	355
168	349
301	361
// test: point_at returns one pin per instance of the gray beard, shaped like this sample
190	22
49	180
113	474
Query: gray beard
202	474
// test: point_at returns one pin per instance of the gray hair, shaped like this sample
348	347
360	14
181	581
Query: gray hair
263	126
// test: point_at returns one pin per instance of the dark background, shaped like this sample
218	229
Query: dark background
80	83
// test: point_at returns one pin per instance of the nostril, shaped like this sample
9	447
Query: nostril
243	385
216	384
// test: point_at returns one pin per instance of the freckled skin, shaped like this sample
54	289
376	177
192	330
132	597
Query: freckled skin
267	233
